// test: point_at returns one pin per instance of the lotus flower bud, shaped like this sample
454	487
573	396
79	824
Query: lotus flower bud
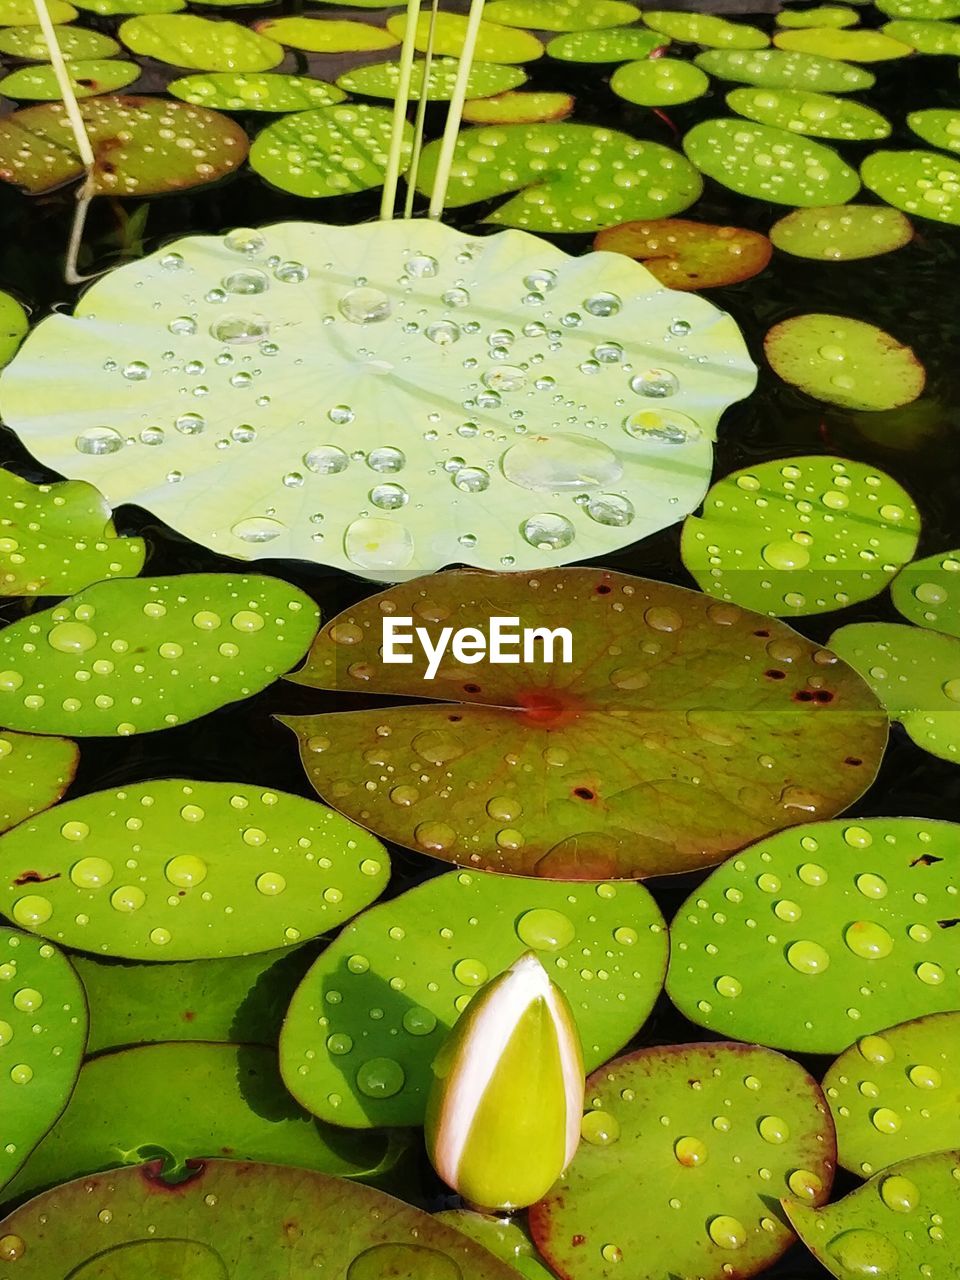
503	1118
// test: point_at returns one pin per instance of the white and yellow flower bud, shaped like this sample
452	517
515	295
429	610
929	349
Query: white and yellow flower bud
503	1118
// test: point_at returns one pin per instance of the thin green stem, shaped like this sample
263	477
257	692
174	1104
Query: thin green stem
401	102
414	168
455	114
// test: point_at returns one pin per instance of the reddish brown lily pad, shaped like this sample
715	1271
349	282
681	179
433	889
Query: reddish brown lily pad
690	255
143	146
682	729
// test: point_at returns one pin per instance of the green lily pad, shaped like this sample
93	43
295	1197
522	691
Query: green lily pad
571	177
705	29
13	329
561	15
661	797
915	674
291	1218
927	37
843	361
381	79
770	164
857	46
689	255
118	8
58	538
778	69
241	999
154	652
659	82
823	15
143	147
495	43
274	868
927	594
502	1236
370	1016
841	233
611	44
925	10
324	35
919	182
894	1096
127	1106
838	918
43	1025
518	108
88	77
894	1225
724	1112
329	151
484	294
801	535
815	114
75	43
240	91
184	40
17	13
34	773
939	127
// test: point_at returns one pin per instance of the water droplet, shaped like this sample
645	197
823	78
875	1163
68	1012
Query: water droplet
505	378
930	974
548	531
129	897
690	1152
876	1049
872	886
326	460
290	273
471	479
785	555
159	936
807	957
21	1073
868	940
389	497
91	873
380	1078
32	910
610	509
245	240
403	1262
435	836
386	459
470	972
655	384
804	1184
661	424
600	1128
136	371
378	543
727	1232
858	837
443	333
811	873
238	330
258	529
924	1077
899	1194
12	1248
419	1022
774	1130
885	1120
545	929
186	870
728	986
602	304
365	306
863	1253
27	1000
72	637
561	463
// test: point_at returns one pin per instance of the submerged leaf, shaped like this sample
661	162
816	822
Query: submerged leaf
927	592
659	82
202	44
518	108
320	35
779	69
87	76
679	730
724	1111
446	31
689	255
222	869
841	233
561	15
242	91
821	915
404	971
381	79
34	772
919	182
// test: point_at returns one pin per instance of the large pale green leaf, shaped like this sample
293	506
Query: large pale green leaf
371	1014
187	870
200	43
680	729
234	1221
402	370
34	772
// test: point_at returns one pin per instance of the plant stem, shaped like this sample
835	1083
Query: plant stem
455	114
414	168
66	88
400	104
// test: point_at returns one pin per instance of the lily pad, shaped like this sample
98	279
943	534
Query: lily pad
296	1216
673	685
128	1106
894	1225
44	1030
240	91
778	69
823	15
58	538
518	108
801	535
841	918
726	1110
690	255
492	296
770	164
154	652
857	46
495	42
184	40
143	147
843	361
118	8
915	674
705	29
927	592
75	42
925	10
34	773
561	15
571	177
13	329
17	13
927	37
894	1095
87	76
274	868
324	35
659	82
815	114
919	182
329	151
370	1016
841	233
612	44
502	1236
938	126
381	79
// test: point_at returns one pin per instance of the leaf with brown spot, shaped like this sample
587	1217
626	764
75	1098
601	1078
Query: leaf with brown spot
683	254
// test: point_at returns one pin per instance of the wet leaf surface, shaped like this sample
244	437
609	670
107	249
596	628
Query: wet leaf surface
927	593
717	726
612	44
825	15
13	327
380	79
660	82
561	15
118	8
689	255
855	46
495	42
87	76
75	42
927	37
22	12
200	43
321	35
938	127
34	773
815	114
246	91
919	182
841	233
705	29
518	108
330	151
779	69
